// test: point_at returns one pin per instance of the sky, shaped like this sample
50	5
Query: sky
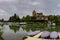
25	7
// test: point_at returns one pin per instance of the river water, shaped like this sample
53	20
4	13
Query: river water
17	32
12	32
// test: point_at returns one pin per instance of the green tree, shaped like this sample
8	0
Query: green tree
27	18
15	28
57	20
33	18
14	18
2	20
51	18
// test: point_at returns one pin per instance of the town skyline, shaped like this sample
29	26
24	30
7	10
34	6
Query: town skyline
37	13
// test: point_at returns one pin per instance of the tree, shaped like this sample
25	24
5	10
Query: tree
15	28
33	18
57	20
14	18
27	18
51	18
2	20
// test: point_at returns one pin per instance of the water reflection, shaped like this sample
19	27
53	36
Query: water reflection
1	32
15	28
11	33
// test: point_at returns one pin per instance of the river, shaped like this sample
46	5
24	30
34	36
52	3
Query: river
12	32
17	32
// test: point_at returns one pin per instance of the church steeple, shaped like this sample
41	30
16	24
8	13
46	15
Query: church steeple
34	13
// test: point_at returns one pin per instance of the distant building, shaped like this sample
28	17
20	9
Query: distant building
39	16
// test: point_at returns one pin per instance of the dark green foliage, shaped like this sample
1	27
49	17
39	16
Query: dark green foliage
2	20
57	20
14	18
15	28
33	18
51	18
26	19
1	33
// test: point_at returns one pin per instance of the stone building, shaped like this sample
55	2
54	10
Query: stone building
39	16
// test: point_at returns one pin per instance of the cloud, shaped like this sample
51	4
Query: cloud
7	0
58	5
34	3
4	14
25	7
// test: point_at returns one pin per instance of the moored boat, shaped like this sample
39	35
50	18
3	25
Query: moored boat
45	35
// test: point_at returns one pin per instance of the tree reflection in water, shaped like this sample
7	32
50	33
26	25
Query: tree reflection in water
1	32
15	28
34	27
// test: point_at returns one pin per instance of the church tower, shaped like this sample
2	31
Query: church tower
34	13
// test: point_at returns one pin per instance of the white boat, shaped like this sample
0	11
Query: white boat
23	23
45	34
33	33
54	35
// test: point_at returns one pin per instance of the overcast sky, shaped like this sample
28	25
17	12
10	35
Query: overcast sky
25	7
